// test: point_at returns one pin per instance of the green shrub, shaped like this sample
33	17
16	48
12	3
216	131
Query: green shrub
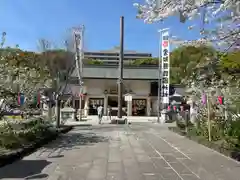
180	124
193	131
10	141
18	134
217	131
232	134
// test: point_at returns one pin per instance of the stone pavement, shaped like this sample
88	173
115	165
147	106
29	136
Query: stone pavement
93	120
121	152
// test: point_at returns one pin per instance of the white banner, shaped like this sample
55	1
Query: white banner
128	97
165	70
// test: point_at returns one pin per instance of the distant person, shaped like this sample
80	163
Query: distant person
22	115
75	114
100	113
110	112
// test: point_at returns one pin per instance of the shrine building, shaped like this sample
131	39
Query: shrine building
100	84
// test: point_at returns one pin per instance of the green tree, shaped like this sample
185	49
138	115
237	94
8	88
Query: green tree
57	60
184	60
93	61
230	62
147	61
21	71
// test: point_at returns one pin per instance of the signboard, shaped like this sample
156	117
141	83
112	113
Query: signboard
139	102
96	101
128	97
165	68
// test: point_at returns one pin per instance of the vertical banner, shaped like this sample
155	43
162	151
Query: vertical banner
38	98
77	49
165	68
21	99
204	99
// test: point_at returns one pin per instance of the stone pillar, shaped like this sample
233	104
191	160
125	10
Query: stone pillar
129	108
73	102
105	106
164	116
148	106
86	106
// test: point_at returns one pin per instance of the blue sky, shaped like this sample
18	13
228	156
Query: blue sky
26	21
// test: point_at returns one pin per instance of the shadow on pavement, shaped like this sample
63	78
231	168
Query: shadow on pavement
235	155
31	169
38	176
75	140
28	169
79	125
56	156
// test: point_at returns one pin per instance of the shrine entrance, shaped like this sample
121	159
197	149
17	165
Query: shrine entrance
113	103
93	104
139	107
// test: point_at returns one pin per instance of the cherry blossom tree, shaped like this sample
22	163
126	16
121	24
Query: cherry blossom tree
20	72
218	22
224	16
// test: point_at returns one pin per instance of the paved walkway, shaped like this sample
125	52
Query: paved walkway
93	120
122	152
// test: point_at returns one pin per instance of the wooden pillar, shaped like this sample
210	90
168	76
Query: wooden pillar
105	106
86	106
129	108
73	102
148	106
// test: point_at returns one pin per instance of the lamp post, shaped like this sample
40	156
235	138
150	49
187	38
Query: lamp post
120	68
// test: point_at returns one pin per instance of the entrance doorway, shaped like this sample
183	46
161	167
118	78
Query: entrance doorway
93	104
77	104
113	103
139	107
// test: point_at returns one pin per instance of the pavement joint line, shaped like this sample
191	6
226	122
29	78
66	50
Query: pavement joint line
181	158
148	174
167	154
174	147
216	152
135	136
190	158
185	174
155	157
164	159
185	165
173	162
159	157
75	163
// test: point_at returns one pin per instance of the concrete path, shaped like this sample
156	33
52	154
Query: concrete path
121	152
93	120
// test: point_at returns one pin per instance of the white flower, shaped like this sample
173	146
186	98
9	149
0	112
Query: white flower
227	11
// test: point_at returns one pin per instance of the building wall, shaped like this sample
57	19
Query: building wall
111	56
98	86
139	87
112	72
104	88
94	86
